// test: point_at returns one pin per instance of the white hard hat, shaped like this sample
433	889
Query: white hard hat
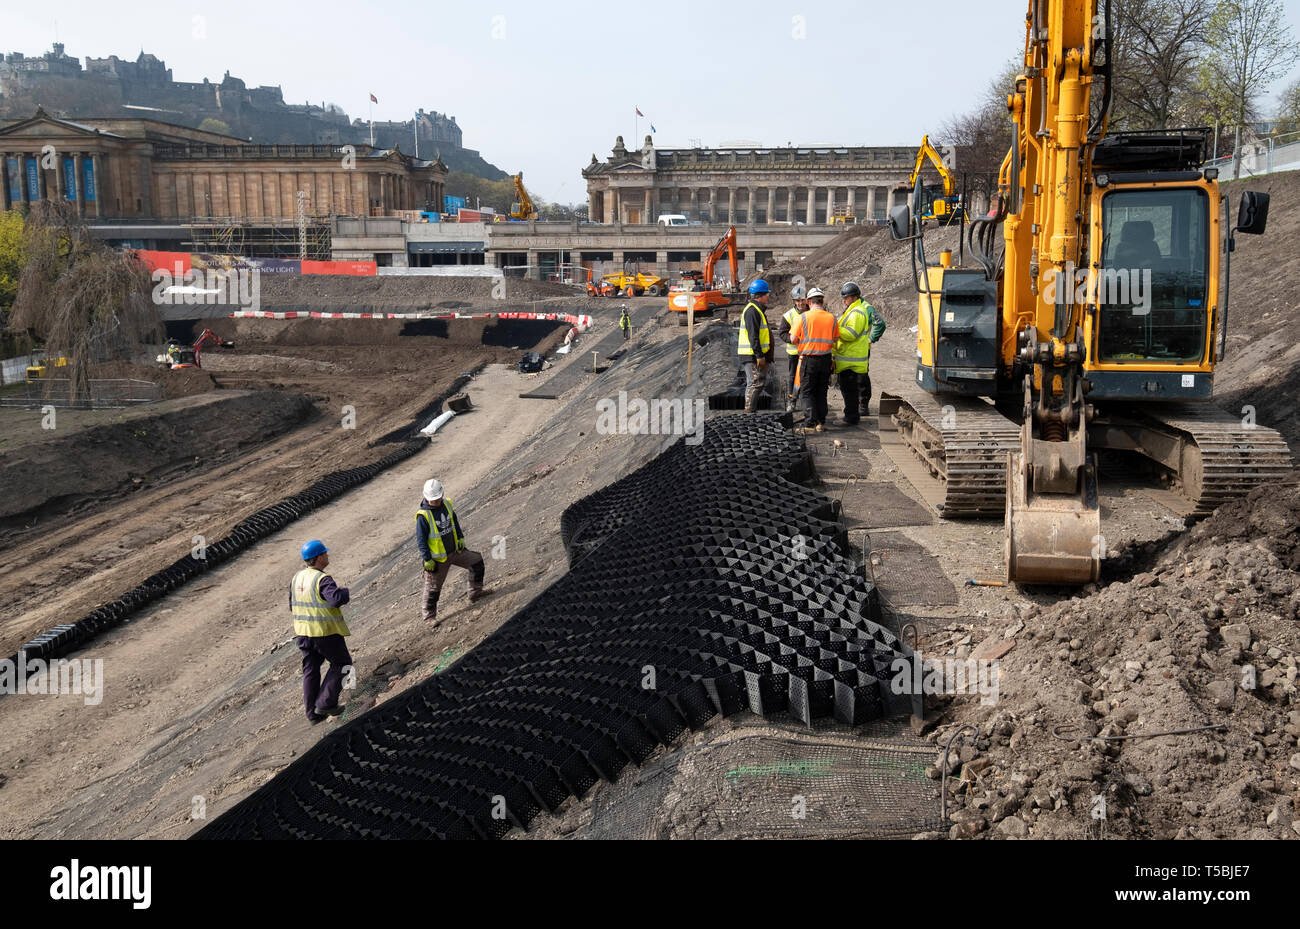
433	490
816	292
797	293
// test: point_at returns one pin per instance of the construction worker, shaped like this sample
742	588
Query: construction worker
787	324
860	326
625	323
814	333
442	544
320	631
755	345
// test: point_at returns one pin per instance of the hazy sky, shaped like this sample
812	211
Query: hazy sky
541	87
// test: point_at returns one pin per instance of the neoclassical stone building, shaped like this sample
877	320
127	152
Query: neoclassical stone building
137	169
747	185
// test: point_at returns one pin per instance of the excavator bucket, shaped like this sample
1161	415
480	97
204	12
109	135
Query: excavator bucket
1052	538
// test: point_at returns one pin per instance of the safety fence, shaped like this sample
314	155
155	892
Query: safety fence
64	638
684	600
581	323
102	394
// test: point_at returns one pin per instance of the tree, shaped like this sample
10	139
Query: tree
984	135
11	260
1156	48
214	125
1288	111
78	296
1249	46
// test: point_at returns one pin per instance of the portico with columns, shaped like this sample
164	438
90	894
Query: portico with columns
750	186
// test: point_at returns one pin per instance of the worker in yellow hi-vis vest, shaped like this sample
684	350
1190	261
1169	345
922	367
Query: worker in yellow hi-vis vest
320	630
442	544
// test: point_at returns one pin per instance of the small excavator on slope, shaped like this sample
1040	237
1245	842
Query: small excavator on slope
1097	325
705	295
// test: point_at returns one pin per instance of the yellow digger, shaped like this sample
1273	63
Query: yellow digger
939	202
43	366
522	209
1096	325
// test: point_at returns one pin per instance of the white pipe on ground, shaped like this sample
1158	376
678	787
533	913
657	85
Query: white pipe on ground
433	427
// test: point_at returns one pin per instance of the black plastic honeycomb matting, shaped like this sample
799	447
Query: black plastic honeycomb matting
707	582
62	639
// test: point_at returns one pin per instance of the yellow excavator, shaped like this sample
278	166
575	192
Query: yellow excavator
939	202
523	208
1096	325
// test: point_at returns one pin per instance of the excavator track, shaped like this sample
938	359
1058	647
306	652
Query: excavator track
1221	458
963	441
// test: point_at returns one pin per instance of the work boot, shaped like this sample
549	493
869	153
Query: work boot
478	593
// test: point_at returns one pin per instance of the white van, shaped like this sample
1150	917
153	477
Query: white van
672	219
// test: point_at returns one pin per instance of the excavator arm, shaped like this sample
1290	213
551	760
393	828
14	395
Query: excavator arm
726	246
927	152
1053	516
523	208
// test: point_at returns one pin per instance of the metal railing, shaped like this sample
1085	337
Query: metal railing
1276	153
104	394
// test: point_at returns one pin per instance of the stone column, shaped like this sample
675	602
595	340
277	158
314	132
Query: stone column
789	205
615	206
830	206
731	206
97	165
853	202
871	203
22	179
649	217
534	271
812	205
695	202
771	205
661	264
58	177
591	207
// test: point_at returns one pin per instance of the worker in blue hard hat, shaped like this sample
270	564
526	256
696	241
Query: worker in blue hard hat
319	630
755	344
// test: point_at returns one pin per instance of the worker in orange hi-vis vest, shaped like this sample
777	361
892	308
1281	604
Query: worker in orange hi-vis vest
814	333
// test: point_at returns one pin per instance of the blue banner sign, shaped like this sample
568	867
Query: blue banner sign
70	179
89	171
33	181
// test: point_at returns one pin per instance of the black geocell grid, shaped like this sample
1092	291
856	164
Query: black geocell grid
686	597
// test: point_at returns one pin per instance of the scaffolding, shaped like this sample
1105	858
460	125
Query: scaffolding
306	236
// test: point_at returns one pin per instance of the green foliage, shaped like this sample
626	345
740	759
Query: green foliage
1248	46
496	194
11	260
214	125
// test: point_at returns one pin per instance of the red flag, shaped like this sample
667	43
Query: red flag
639	113
374	99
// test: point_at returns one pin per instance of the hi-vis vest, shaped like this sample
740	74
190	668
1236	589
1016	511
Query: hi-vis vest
437	542
791	317
312	614
853	349
764	336
815	331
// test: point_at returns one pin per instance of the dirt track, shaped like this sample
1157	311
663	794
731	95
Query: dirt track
218	464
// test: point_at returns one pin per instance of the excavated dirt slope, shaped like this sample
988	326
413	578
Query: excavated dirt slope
1207	638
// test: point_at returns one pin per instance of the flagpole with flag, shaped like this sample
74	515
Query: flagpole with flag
636	138
373	101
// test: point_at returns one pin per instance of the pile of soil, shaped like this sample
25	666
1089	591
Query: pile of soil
1208	635
424	334
118	457
185	382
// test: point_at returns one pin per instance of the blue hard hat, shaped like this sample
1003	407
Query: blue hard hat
759	287
313	549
